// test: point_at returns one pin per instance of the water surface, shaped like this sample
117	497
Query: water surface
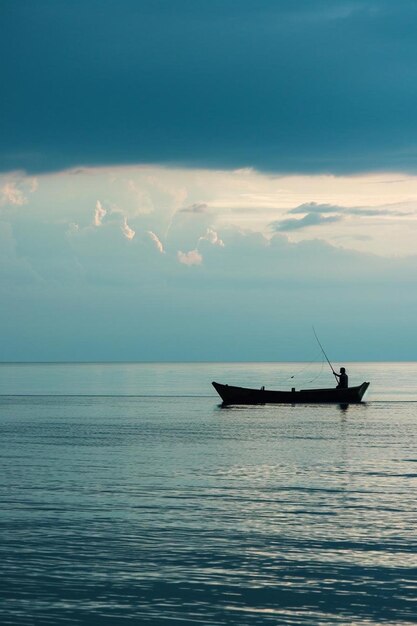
129	496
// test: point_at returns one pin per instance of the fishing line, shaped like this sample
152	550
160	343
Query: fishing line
297	373
319	374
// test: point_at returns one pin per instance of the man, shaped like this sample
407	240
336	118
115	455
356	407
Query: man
343	379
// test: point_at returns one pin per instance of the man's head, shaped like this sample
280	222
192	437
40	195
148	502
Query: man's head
342	370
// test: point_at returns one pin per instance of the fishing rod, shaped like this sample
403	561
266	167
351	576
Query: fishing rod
322	349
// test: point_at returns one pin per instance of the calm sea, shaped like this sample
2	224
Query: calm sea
128	496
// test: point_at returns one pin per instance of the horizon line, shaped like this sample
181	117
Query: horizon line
193	362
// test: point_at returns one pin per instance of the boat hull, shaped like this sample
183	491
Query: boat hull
243	395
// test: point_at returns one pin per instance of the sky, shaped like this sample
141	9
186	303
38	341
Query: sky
207	179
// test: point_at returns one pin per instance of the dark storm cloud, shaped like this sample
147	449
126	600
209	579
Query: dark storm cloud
379	211
311	219
278	85
195	208
314	207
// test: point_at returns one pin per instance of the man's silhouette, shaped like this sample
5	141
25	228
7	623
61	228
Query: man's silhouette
343	379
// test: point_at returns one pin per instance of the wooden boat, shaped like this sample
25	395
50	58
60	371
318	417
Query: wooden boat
242	395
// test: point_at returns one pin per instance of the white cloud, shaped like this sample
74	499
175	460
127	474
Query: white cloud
193	257
156	241
99	214
212	237
113	215
182	204
128	232
11	194
15	189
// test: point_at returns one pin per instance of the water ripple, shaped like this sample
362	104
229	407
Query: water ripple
129	511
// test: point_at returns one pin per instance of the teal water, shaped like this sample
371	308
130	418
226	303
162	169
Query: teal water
128	496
